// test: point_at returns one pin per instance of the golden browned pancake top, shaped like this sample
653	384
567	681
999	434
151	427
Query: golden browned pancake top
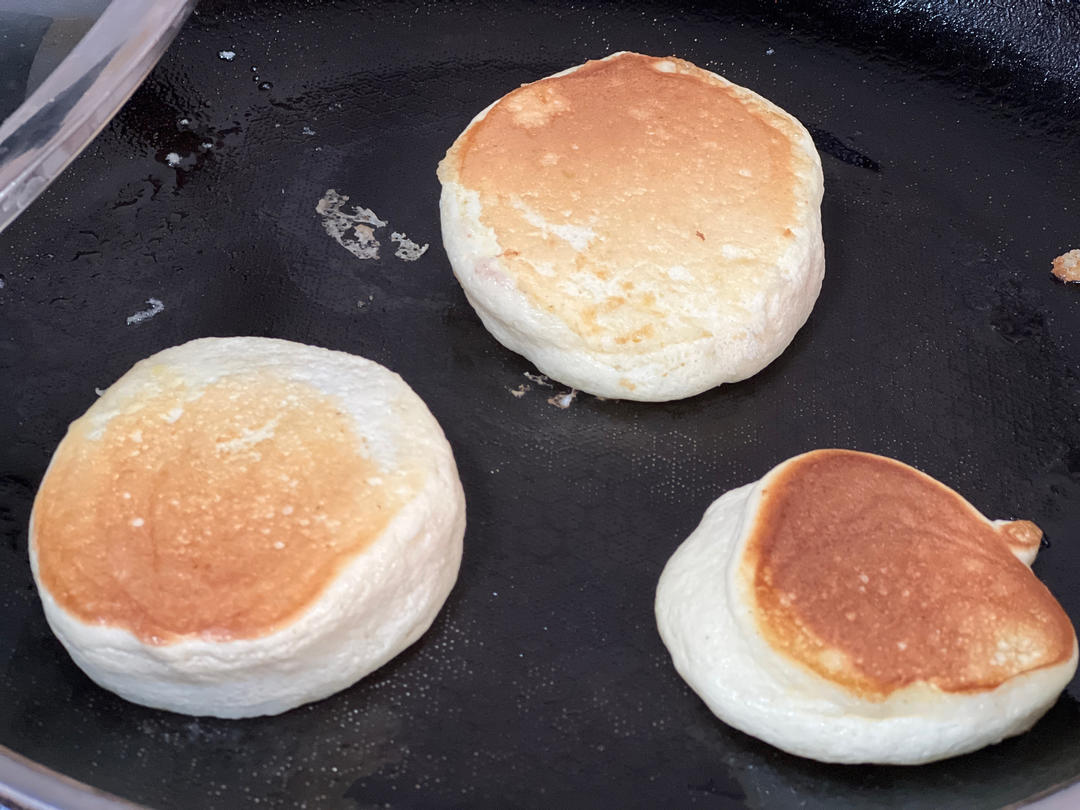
598	182
221	514
876	577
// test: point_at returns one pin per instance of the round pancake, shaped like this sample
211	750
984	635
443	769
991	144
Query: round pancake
639	228
849	608
241	525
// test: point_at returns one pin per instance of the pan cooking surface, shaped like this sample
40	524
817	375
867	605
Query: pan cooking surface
940	339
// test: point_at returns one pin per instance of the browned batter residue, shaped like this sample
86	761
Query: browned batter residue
1067	266
876	577
646	158
221	516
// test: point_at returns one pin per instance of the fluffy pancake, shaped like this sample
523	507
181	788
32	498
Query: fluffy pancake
241	525
637	227
849	608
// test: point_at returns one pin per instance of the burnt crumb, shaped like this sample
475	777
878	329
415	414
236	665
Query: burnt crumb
564	400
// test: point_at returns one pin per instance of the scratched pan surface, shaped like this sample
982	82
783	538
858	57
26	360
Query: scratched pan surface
951	153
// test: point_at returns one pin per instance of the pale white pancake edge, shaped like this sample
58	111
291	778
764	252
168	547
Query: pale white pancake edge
379	604
777	310
706	625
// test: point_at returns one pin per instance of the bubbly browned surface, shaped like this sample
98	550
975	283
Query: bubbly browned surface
663	163
876	577
221	516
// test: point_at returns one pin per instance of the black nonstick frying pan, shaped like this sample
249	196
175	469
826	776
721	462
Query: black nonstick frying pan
951	149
